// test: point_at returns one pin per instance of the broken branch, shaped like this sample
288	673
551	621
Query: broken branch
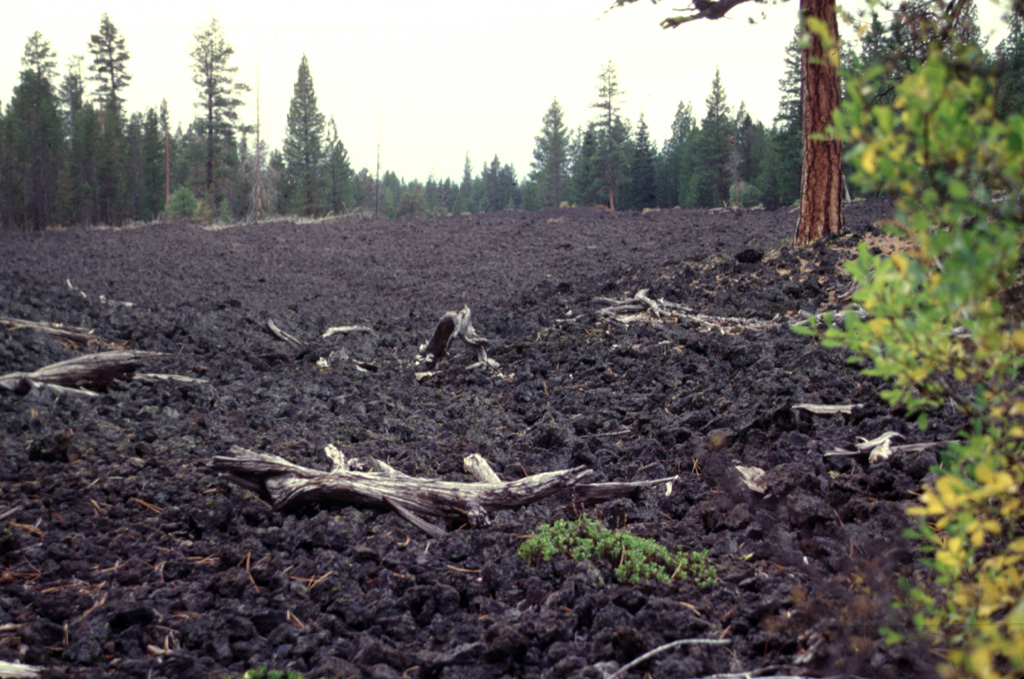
285	484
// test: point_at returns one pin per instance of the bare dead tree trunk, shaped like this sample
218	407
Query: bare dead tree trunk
821	179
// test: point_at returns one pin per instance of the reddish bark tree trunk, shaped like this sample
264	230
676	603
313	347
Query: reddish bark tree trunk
821	179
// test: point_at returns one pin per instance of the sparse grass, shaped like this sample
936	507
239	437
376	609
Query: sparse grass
635	558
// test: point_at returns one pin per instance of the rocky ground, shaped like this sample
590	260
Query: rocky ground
123	553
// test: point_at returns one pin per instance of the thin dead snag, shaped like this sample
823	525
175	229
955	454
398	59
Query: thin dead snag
286	485
456	324
641	305
76	375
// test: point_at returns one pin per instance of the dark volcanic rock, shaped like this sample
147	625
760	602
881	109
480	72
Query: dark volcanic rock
123	555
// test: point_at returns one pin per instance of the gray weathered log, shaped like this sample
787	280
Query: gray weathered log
641	305
456	324
10	670
92	371
58	330
286	485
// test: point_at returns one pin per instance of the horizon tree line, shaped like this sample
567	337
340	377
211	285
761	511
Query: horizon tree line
71	156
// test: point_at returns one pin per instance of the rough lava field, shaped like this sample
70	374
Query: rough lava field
124	553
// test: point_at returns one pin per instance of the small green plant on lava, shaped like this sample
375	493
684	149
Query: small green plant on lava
635	558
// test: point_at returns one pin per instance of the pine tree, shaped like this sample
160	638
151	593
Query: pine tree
491	185
35	137
109	64
611	160
714	146
787	139
72	95
152	170
550	157
584	183
1009	62
218	96
464	202
642	183
303	145
339	171
675	163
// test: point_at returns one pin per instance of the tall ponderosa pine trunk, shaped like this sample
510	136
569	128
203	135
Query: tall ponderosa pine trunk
821	179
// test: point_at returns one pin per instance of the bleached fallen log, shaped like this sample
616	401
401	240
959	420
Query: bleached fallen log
456	324
346	330
641	305
153	378
11	670
285	485
60	331
821	409
92	371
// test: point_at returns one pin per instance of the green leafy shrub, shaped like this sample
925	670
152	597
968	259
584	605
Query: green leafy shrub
941	327
635	558
182	205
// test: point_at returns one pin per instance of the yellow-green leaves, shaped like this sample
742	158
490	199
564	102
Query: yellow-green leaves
937	330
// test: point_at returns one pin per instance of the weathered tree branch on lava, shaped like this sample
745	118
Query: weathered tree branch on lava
274	330
92	371
641	305
57	330
286	485
456	324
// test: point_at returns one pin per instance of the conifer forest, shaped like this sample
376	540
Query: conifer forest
70	154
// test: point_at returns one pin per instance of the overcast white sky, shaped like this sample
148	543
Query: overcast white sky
444	77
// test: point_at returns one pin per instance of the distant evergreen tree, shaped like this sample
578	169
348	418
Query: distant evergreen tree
303	145
151	167
491	186
711	178
585	168
464	202
339	171
610	160
118	186
35	141
675	164
780	182
109	64
642	183
72	95
508	188
413	201
218	98
550	157
1009	63
531	197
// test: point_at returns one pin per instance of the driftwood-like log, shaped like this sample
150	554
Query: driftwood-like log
285	485
58	330
11	670
641	305
92	371
456	324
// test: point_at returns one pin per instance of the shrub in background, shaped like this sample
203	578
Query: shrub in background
182	205
942	328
